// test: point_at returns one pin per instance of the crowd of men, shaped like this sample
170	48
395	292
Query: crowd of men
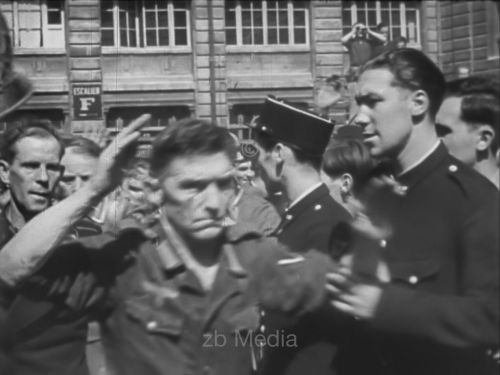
384	260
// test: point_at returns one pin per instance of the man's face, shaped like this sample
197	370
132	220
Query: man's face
459	138
244	172
385	31
78	168
383	113
197	193
34	172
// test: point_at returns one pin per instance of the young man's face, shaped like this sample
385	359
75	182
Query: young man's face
78	168
34	172
197	191
383	113
459	138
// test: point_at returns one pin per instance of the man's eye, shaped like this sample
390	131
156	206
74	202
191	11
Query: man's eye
442	131
31	165
226	183
68	179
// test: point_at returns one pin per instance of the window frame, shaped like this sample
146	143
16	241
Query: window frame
265	46
44	30
140	27
354	9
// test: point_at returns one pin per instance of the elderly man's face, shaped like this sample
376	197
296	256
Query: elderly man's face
383	113
197	192
78	168
34	172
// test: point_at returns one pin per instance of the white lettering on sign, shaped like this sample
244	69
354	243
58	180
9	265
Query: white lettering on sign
86	102
86	90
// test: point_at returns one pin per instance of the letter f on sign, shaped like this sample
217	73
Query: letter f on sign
86	103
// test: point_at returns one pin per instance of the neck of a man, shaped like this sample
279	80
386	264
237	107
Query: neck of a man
422	138
488	168
299	179
17	216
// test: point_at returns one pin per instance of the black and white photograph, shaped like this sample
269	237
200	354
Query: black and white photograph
249	187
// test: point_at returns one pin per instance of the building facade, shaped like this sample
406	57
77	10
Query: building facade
102	63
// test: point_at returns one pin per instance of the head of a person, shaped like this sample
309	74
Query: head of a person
136	183
468	119
275	158
401	42
398	94
360	30
347	166
193	161
244	171
80	162
30	155
383	29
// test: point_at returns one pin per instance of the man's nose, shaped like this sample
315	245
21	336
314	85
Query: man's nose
42	174
213	198
361	120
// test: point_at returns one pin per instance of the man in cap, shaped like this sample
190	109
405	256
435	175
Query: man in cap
291	143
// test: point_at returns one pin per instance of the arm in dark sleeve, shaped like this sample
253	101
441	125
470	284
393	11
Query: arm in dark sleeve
469	318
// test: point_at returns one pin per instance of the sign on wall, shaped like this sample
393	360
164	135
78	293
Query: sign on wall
87	102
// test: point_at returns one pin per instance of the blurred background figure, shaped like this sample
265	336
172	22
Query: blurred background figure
347	166
387	44
401	42
250	207
467	122
4	195
333	90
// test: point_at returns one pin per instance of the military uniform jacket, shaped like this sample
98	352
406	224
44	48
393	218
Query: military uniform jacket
306	225
440	312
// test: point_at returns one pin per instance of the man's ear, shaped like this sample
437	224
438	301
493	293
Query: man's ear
346	184
486	134
419	103
4	172
278	152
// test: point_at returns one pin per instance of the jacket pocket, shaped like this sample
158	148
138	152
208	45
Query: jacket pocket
416	271
167	318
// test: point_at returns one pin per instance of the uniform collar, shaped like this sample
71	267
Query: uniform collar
171	246
304	194
417	173
312	196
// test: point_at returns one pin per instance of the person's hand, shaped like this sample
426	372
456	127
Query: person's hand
113	159
97	134
353	298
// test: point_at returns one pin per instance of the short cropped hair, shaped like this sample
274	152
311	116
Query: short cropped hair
27	127
267	142
189	137
480	101
82	146
412	70
349	156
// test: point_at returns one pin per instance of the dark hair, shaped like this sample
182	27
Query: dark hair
480	101
189	137
83	146
26	127
349	156
267	142
412	70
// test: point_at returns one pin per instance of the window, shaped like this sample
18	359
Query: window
266	22
402	17
35	23
145	23
493	25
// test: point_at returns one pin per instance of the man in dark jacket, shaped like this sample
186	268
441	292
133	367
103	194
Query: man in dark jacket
291	143
437	311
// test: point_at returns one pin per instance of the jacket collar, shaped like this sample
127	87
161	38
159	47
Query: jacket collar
171	246
319	192
416	174
14	216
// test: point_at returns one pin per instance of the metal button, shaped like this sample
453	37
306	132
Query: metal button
262	313
453	168
152	325
413	279
317	207
288	217
383	243
262	328
264	128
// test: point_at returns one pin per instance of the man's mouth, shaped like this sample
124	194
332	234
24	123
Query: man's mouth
44	195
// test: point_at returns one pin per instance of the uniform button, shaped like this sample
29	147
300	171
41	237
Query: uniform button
262	328
262	313
317	207
152	325
413	279
288	217
383	244
453	168
264	128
